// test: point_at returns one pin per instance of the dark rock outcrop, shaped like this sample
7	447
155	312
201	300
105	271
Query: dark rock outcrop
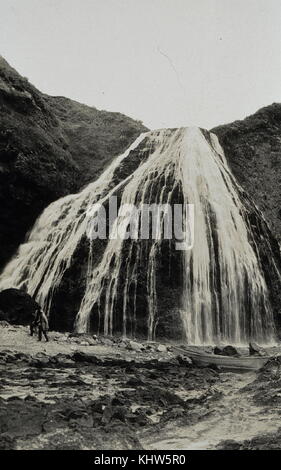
49	147
16	307
253	150
218	351
230	351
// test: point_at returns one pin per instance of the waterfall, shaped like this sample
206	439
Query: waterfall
216	289
215	309
40	263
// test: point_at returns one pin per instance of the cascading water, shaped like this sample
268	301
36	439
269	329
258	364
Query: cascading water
214	292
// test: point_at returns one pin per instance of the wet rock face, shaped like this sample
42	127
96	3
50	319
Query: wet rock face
68	296
16	307
269	255
253	151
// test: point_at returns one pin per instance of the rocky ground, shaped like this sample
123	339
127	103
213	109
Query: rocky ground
83	392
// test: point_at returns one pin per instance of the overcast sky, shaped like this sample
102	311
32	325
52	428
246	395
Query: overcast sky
168	63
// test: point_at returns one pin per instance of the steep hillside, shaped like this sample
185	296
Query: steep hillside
253	150
94	137
49	147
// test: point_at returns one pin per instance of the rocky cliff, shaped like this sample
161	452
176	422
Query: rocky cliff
49	147
253	151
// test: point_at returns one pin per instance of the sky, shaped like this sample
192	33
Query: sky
168	63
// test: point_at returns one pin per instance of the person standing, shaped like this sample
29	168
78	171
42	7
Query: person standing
40	321
35	322
43	326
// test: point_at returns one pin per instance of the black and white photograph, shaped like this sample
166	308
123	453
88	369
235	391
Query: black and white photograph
140	228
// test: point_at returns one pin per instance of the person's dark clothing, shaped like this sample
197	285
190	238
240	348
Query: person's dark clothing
43	326
35	322
40	321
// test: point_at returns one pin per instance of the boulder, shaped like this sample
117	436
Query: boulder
230	351
80	356
184	360
255	350
218	350
134	346
162	348
16	307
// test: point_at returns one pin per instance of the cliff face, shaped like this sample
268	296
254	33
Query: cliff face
253	150
49	147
